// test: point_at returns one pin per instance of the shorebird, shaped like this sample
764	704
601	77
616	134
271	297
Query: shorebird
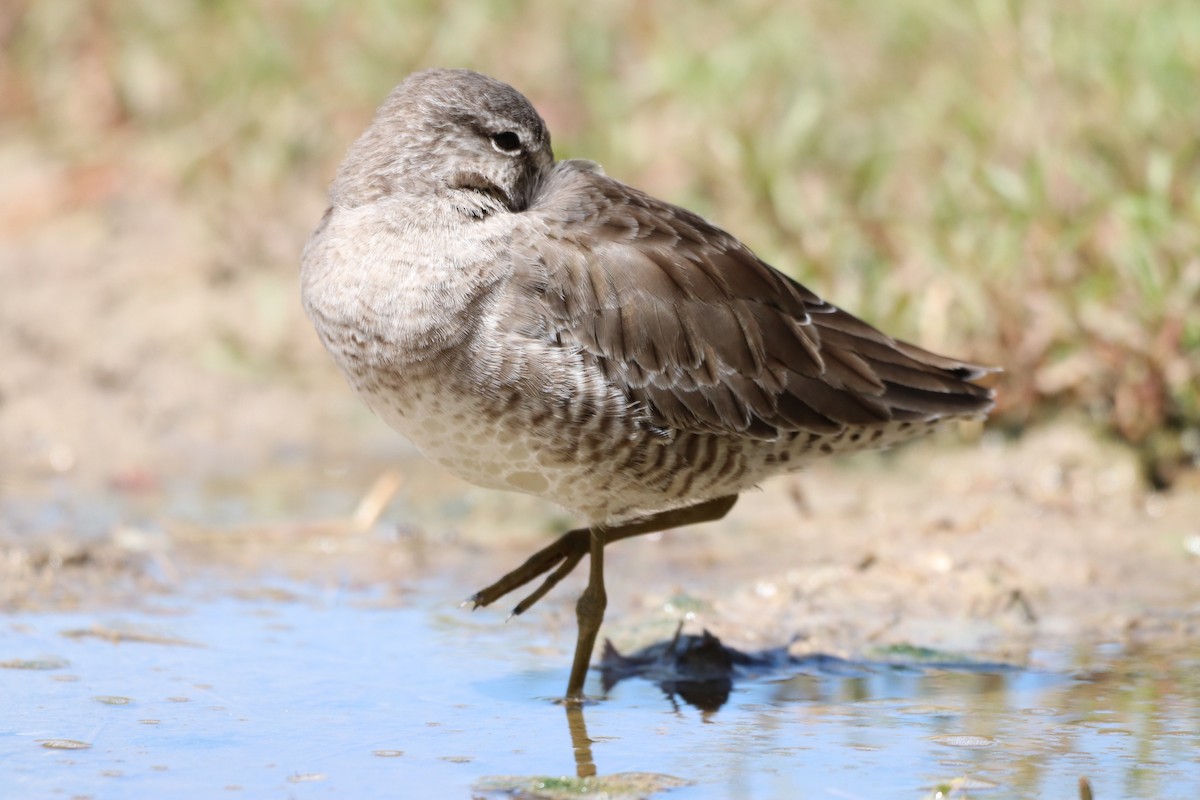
537	326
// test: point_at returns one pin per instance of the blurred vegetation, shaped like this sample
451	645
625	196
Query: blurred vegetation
1014	182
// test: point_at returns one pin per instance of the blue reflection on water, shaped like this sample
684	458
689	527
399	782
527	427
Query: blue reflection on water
325	694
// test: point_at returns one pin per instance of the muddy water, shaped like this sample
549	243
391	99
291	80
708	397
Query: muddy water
324	693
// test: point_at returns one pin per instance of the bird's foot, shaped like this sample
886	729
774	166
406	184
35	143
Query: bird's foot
561	556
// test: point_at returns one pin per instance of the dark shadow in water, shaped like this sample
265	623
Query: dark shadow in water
696	669
701	670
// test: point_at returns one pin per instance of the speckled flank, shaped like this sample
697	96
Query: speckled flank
499	442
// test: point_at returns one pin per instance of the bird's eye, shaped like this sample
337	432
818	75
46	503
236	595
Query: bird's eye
507	142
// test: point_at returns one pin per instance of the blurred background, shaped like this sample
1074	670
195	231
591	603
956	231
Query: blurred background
1007	181
1012	182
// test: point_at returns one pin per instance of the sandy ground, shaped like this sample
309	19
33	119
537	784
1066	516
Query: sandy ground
991	551
143	348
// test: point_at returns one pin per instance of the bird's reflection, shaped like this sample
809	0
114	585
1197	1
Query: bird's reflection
585	767
587	782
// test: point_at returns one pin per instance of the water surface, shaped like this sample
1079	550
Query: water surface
295	691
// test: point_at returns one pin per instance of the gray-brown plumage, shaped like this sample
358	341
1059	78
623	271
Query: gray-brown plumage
536	326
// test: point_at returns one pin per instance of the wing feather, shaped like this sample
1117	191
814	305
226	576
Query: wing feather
693	327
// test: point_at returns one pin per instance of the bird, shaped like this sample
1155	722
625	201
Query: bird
536	326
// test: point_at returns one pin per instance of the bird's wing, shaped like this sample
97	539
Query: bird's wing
692	326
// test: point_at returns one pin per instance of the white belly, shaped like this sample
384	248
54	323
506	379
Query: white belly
474	444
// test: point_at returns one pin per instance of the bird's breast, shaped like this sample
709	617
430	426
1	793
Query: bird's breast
491	438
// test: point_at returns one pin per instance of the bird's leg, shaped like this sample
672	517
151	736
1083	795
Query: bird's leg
565	552
568	549
589	612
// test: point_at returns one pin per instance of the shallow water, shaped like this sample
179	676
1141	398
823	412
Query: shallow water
197	670
294	691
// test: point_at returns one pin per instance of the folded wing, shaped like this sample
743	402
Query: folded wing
692	326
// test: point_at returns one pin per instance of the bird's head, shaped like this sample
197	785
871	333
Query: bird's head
452	133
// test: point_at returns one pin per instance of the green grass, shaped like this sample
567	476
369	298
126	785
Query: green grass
1015	182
